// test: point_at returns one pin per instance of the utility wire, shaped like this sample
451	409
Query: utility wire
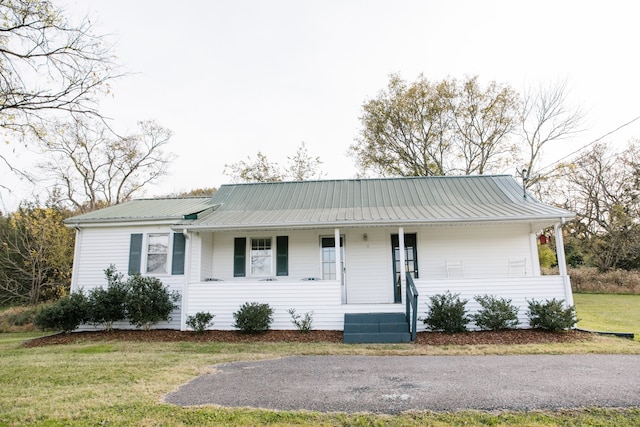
590	143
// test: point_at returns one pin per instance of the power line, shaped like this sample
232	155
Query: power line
590	143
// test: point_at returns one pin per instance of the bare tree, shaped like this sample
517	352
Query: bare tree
96	168
300	167
48	64
546	118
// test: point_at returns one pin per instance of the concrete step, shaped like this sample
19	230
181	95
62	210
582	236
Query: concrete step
377	338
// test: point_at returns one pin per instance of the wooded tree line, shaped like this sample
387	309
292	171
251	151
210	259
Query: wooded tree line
53	73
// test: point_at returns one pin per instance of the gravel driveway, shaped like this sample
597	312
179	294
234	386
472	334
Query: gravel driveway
393	384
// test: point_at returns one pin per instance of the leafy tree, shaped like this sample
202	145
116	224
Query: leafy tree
436	128
36	255
48	65
300	167
149	301
483	121
603	188
96	167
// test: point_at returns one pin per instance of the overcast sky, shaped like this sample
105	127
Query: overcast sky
233	77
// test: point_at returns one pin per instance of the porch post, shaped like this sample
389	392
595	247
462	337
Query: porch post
339	272
402	259
562	262
187	278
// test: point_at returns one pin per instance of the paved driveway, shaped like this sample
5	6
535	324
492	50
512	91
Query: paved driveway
393	384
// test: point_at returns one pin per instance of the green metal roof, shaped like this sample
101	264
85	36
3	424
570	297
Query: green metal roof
161	209
328	203
375	202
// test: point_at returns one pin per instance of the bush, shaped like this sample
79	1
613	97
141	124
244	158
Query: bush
66	314
496	313
446	313
302	323
200	321
148	301
551	315
106	306
253	318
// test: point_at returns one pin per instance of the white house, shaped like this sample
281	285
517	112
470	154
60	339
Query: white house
329	247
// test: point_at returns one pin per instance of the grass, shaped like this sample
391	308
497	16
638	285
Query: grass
121	383
609	313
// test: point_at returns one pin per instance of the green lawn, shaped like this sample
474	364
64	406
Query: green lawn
609	313
121	383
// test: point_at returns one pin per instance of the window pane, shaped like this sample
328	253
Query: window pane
157	248
261	257
157	263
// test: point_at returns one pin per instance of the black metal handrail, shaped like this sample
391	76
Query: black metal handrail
412	306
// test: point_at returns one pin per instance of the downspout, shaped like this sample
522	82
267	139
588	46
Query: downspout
562	261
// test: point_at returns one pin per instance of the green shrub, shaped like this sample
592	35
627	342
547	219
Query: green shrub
148	301
106	306
302	323
446	313
66	314
200	321
253	318
495	314
21	316
551	315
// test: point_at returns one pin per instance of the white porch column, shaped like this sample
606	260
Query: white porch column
187	278
403	272
339	272
562	262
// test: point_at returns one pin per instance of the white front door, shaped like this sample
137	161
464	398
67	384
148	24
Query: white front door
329	272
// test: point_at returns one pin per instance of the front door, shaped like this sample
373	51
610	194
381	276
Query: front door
411	261
328	245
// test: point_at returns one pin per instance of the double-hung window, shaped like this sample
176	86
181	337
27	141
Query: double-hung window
265	255
261	256
164	253
157	250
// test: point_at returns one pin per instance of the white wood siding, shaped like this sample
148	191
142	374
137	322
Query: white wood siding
102	247
323	298
483	250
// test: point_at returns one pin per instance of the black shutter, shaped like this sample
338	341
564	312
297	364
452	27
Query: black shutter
282	255
239	257
177	259
135	254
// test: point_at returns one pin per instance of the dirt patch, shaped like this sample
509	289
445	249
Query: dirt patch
518	336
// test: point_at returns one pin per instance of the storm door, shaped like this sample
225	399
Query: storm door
411	261
329	272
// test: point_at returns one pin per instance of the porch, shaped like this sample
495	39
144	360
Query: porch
324	298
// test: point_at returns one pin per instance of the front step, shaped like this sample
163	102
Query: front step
375	328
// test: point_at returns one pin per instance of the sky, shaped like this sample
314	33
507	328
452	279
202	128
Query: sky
234	77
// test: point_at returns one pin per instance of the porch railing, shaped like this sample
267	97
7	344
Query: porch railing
412	306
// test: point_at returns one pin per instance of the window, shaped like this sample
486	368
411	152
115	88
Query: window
261	255
157	253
